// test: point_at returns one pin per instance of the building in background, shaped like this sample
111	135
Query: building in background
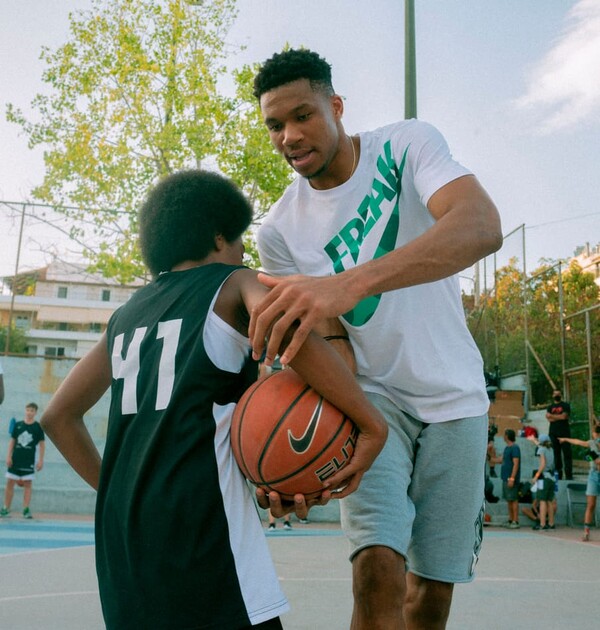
589	260
61	308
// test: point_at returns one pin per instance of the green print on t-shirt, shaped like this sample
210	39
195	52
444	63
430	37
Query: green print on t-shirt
349	240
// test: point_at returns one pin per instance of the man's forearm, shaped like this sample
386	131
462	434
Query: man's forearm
456	241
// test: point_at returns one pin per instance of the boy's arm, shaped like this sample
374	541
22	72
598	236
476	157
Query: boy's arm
337	336
540	470
573	441
41	453
328	373
63	419
515	470
9	454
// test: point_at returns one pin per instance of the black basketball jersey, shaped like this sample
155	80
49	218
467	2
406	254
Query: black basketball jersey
178	540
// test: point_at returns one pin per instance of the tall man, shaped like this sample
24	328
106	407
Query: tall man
558	414
378	223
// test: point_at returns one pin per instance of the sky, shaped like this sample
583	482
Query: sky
513	86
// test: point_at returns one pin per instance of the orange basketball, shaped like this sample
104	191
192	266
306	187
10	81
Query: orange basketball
286	437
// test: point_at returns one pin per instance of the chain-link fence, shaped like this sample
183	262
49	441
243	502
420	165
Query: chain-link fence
543	324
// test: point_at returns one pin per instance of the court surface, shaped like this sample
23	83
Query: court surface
525	579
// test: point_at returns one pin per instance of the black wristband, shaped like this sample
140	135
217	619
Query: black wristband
331	337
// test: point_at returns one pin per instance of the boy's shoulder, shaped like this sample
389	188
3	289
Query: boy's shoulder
35	425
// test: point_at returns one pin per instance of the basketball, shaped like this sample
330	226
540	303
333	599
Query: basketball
286	437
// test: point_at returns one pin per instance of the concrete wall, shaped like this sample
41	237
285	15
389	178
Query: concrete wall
57	488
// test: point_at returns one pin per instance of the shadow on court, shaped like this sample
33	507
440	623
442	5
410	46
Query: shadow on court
48	578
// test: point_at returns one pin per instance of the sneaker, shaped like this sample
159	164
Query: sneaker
27	513
271	526
287	525
304	521
4	511
549	527
513	525
537	526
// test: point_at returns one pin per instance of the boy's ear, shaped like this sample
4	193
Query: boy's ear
219	242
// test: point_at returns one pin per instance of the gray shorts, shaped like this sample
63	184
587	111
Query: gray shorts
510	493
423	496
546	493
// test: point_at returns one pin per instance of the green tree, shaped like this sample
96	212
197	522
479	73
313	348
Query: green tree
133	95
498	325
17	343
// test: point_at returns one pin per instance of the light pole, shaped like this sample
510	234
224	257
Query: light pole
410	64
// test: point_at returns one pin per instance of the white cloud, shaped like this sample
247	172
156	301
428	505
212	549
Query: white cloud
564	86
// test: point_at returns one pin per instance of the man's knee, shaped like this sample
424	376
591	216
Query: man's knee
427	603
379	587
378	571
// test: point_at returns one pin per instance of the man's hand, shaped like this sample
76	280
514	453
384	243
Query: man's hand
300	301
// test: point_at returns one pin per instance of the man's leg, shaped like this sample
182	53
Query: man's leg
568	459
427	603
378	520
379	588
447	491
556	447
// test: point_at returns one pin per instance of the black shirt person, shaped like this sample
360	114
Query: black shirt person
558	413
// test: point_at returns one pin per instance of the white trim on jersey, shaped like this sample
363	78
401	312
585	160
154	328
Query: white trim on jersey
259	584
258	580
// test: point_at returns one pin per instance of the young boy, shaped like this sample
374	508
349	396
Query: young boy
178	540
592	490
21	459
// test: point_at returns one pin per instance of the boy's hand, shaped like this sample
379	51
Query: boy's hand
368	447
39	465
279	507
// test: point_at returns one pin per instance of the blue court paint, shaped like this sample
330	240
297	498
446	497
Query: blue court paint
18	535
280	533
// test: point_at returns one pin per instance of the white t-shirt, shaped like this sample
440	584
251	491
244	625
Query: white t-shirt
412	345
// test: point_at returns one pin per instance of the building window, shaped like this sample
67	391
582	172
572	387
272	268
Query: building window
62	292
95	328
63	326
22	321
106	295
54	352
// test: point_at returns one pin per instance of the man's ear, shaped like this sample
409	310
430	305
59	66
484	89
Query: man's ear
337	105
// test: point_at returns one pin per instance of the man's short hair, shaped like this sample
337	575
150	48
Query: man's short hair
31	405
184	213
293	65
510	434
